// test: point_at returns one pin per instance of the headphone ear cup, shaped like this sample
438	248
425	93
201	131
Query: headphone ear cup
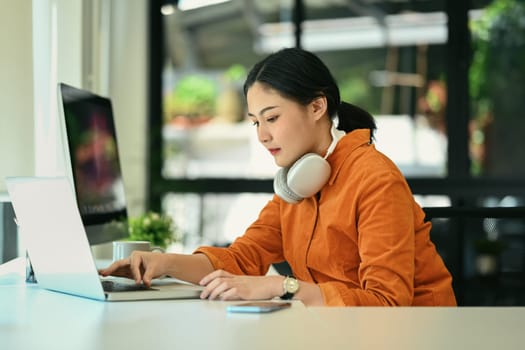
280	187
308	175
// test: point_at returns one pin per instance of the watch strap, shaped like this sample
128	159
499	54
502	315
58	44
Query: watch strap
287	296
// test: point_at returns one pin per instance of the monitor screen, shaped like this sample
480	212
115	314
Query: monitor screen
93	160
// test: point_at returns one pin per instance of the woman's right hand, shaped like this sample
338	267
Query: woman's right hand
140	266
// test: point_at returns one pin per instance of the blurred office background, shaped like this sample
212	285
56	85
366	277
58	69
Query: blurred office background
445	80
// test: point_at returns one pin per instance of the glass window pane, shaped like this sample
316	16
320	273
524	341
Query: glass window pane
388	57
212	219
208	52
497	87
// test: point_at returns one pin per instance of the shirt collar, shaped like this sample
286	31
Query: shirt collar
344	149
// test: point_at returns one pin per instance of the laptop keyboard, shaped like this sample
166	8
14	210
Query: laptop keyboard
113	286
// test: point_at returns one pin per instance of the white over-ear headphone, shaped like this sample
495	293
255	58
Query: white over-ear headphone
307	175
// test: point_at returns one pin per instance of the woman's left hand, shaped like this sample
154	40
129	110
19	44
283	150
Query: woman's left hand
226	286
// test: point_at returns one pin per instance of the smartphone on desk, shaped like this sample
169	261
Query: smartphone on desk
258	306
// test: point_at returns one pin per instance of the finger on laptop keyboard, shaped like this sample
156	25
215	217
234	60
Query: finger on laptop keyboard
118	268
135	264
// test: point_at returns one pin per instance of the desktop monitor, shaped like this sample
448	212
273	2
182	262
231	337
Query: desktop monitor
92	162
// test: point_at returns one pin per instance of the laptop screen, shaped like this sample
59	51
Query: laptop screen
94	163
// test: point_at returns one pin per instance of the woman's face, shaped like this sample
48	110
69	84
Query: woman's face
285	128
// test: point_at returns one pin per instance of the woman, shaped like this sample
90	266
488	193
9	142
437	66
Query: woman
343	216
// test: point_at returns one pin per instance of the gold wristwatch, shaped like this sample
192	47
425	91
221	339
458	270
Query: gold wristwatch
290	287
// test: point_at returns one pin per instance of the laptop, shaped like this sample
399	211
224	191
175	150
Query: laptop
51	227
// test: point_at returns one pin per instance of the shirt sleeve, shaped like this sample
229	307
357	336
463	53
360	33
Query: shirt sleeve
256	250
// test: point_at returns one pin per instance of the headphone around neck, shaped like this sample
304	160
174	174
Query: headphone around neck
307	175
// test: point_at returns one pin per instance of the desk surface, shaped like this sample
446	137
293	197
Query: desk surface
32	318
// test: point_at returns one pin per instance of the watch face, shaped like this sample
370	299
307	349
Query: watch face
292	285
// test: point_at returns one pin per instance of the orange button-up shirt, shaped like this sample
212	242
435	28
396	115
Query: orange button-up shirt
362	239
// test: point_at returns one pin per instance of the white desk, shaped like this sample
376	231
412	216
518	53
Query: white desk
31	318
424	328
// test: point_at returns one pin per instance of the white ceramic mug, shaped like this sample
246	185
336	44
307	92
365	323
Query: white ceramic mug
123	249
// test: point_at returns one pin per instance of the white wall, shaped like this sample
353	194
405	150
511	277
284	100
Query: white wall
128	90
58	56
16	90
124	81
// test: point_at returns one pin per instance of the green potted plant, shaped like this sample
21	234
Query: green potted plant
488	252
192	100
156	228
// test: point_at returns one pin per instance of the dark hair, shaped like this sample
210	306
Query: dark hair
301	76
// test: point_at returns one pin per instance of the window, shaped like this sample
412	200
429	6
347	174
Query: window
447	106
385	60
497	87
